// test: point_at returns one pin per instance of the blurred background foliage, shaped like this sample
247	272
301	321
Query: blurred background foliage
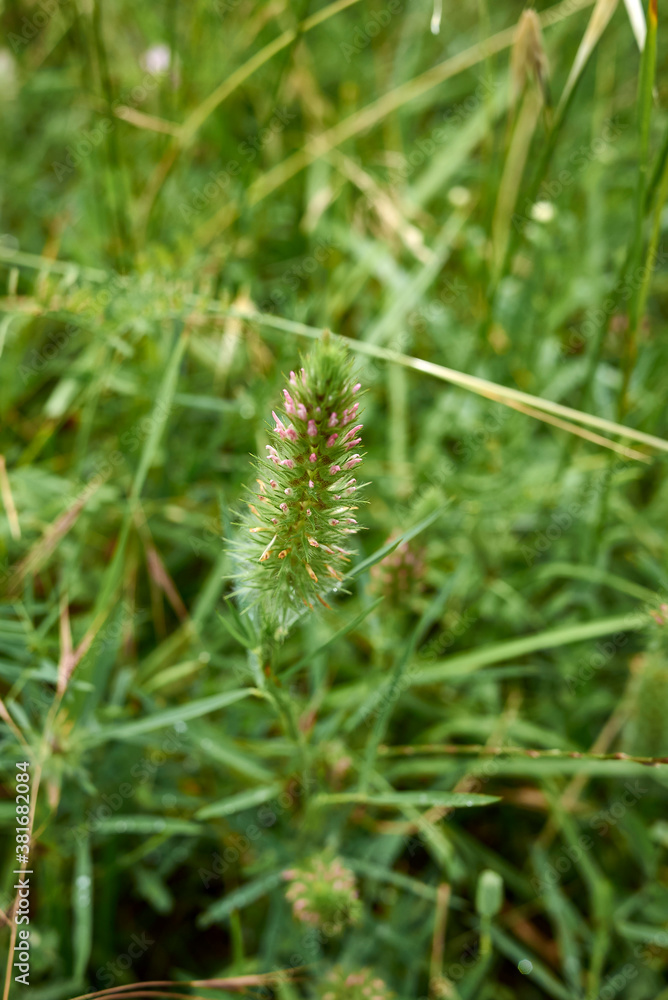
169	172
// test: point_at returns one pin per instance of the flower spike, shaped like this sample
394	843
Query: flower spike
307	468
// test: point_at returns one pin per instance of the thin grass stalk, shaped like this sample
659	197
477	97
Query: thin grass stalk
548	146
371	115
187	131
645	99
474	383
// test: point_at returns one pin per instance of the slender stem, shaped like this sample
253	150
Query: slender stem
481	750
647	72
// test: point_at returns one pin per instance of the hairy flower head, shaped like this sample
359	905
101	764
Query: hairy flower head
400	574
362	985
293	549
323	894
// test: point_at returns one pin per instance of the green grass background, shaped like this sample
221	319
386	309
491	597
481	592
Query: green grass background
335	167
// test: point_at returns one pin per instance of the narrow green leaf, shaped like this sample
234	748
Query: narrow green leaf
376	872
397	800
235	631
182	713
148	824
539	973
237	803
467	663
161	410
344	630
241	897
385	550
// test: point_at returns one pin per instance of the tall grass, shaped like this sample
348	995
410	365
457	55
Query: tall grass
475	724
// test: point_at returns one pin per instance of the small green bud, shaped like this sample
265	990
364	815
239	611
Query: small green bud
489	893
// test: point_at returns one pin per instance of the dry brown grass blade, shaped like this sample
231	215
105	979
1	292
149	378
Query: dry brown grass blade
511	179
157	569
188	130
436	984
164	987
46	546
528	58
483	387
7	719
8	501
149	122
385	208
566	425
373	113
577	784
71	658
598	22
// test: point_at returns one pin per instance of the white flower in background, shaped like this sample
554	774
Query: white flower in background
8	75
543	211
157	59
436	17
459	196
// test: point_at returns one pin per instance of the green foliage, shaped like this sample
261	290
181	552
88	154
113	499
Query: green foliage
192	194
